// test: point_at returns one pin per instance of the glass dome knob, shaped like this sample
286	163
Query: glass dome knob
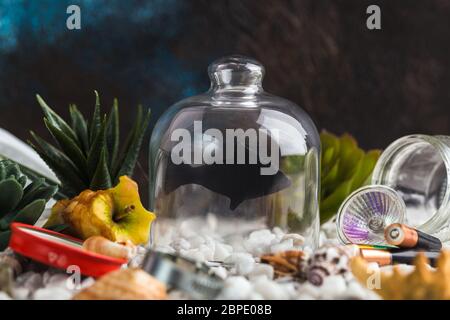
236	71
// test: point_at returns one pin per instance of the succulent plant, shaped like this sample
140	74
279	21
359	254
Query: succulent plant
345	167
20	201
87	155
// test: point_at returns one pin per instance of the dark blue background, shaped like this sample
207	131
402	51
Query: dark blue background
377	85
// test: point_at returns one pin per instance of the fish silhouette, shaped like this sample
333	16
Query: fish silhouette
238	182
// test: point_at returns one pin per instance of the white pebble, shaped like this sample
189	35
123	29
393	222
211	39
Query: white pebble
56	280
278	232
297	239
333	286
269	289
207	252
236	288
52	294
181	244
255	296
165	249
196	241
259	241
308	289
4	296
282	246
21	293
355	291
243	262
221	272
194	254
222	251
262	269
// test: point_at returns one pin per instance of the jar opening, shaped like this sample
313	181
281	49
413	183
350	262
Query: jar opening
417	170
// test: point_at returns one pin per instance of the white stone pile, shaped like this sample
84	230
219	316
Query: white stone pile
245	277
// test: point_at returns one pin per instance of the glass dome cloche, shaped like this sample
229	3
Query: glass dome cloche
238	155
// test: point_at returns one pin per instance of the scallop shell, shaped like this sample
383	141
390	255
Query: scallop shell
107	247
365	214
424	283
126	284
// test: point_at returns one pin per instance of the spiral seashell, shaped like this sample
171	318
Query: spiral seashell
326	261
109	248
126	284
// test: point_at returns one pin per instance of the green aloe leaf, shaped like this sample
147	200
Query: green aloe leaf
132	150
55	119
69	147
79	126
96	122
31	213
101	179
98	144
112	133
10	194
62	166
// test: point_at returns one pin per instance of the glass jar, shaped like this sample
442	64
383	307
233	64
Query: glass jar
246	158
418	168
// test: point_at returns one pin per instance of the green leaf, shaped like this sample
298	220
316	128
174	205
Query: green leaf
101	179
97	146
4	239
2	170
96	122
365	168
23	181
10	194
133	146
330	180
55	119
57	227
12	170
31	213
329	206
70	148
80	127
37	190
112	133
62	166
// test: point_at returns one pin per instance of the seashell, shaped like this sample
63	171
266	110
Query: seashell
286	263
107	247
365	214
327	261
420	284
126	284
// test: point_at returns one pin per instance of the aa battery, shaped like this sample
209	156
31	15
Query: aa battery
400	235
385	257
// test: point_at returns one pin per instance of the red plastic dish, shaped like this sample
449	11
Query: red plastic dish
59	250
